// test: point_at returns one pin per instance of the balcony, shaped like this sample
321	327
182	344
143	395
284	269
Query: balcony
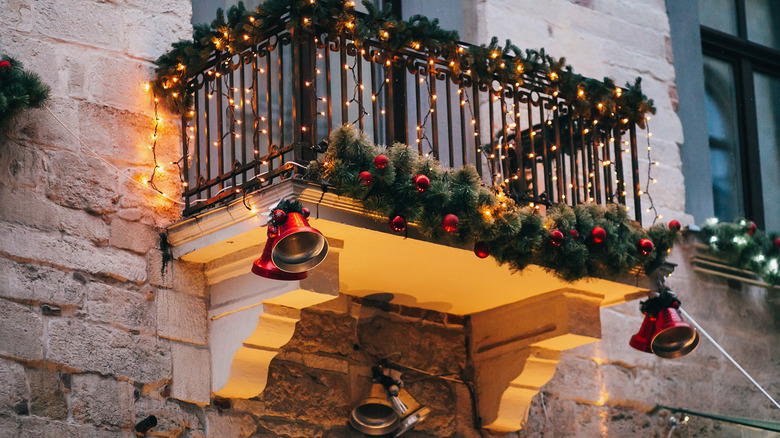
259	116
254	118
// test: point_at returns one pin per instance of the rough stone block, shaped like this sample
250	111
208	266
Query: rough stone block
184	277
118	81
93	24
81	183
323	332
21	329
9	425
229	424
85	225
39	284
191	373
17	14
28	208
134	236
102	401
35	427
21	166
173	417
149	38
47	394
13	386
123	307
107	350
181	317
71	253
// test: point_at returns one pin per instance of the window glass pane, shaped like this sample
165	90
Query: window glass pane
724	139
719	14
768	119
763	18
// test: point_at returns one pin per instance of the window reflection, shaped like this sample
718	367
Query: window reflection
763	19
724	139
719	14
768	120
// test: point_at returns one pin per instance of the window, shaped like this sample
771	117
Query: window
730	106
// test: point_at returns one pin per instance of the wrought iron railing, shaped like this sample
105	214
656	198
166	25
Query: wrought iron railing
260	116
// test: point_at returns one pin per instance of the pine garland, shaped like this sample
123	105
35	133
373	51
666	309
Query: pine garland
241	29
742	245
514	235
19	90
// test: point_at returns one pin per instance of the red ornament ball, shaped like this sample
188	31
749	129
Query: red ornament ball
305	212
574	234
556	237
422	182
5	65
599	235
675	225
381	161
646	246
450	223
273	232
481	249
366	177
777	242
397	224
752	228
279	216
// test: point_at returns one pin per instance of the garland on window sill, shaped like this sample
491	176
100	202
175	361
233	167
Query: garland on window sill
242	29
19	90
742	245
455	206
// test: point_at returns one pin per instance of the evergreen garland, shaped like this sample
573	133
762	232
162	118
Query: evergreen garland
515	235
19	90
241	29
742	245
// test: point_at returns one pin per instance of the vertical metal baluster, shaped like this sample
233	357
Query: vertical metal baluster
230	168
532	148
448	102
494	147
343	69
374	99
587	164
546	164
417	105
185	161
220	132
464	139
574	164
502	152
244	153
280	55
621	184
519	150
593	138
560	163
328	94
607	168
256	110
476	126
635	173
360	86
433	99
269	106
196	159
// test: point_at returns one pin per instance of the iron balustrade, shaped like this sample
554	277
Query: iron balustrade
260	116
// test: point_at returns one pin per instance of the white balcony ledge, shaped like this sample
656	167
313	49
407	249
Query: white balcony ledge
519	322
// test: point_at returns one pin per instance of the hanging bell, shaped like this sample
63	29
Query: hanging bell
299	247
673	336
409	409
264	267
375	415
641	340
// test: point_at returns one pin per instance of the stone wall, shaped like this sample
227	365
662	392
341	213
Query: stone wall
98	330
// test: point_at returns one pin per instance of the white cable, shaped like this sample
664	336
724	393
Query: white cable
108	163
731	359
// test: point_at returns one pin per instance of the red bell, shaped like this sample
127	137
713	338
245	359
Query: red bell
641	340
299	247
264	267
673	337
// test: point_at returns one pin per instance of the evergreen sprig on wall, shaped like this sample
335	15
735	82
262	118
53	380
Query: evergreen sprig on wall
240	29
741	245
19	90
513	235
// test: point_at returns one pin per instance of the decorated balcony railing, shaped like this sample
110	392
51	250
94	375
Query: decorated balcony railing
259	115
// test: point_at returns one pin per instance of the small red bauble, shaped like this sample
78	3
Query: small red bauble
5	65
380	161
646	246
556	237
777	242
279	216
366	177
481	249
273	232
305	212
574	234
599	235
752	228
397	223
675	225
450	223
422	182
